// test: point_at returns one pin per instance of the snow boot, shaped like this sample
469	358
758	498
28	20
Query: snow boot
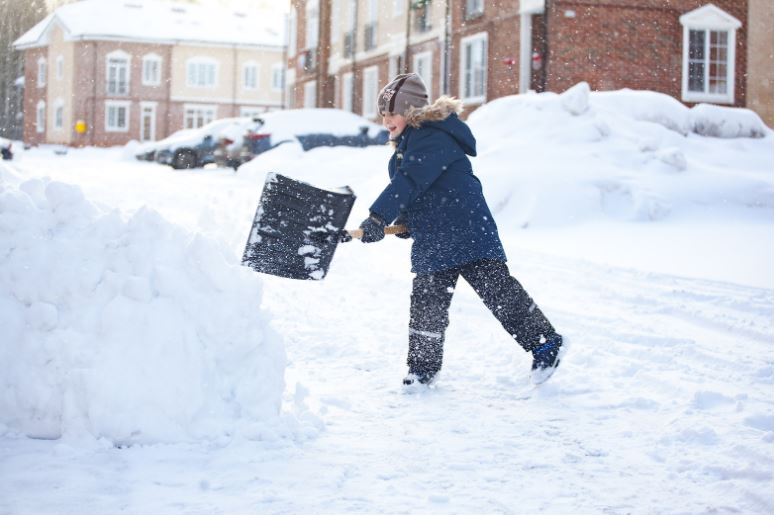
418	378
546	358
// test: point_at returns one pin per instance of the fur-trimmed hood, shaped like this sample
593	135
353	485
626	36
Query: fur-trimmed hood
435	112
443	115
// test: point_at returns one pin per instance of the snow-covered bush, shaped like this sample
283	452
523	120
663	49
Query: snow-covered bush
133	330
726	122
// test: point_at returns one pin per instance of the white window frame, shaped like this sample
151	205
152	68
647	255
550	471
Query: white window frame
335	21
58	114
465	65
202	72
277	77
149	78
370	91
114	106
312	36
40	117
473	8
116	57
250	72
397	8
59	67
347	84
310	94
195	113
42	72
152	106
424	60
292	28
710	19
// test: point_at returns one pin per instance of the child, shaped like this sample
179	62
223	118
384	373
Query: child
434	193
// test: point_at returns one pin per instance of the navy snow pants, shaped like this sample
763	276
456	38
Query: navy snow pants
431	297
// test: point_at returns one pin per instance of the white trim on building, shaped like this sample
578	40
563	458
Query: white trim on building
117	115
709	55
473	68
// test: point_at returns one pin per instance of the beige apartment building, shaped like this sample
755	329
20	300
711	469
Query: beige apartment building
760	79
104	72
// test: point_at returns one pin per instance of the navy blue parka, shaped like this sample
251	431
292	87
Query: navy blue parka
434	192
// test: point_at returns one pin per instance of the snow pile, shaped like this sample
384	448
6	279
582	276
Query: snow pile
560	160
132	330
726	122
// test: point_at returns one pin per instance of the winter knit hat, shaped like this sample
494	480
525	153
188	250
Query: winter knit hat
403	92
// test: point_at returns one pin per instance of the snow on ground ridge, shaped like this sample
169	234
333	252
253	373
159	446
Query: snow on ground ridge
133	330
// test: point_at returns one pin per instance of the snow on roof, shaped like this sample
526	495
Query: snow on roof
157	21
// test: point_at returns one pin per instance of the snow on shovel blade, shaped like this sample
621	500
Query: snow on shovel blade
296	228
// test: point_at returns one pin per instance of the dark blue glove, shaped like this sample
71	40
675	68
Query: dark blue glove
401	220
373	229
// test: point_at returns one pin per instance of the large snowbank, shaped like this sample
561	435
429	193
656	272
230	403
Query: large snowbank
129	329
564	159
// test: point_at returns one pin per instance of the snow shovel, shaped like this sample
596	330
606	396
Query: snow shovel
297	228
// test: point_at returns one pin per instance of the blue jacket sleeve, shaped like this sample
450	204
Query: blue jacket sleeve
424	160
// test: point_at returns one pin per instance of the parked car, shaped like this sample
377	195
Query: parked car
312	128
194	148
6	148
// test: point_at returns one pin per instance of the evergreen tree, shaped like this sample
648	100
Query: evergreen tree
16	17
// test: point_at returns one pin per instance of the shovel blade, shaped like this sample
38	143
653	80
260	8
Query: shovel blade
296	228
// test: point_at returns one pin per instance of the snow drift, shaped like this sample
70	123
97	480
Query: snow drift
133	330
632	156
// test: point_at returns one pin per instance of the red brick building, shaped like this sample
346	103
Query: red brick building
342	51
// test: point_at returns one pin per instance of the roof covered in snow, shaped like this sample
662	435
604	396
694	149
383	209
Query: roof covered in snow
158	22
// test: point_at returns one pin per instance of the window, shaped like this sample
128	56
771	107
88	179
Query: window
370	90
709	60
369	33
347	83
198	115
423	66
40	117
292	27
59	67
310	94
151	70
397	7
250	75
277	77
42	70
201	73
335	21
312	23
473	8
59	115
117	116
394	66
118	74
473	69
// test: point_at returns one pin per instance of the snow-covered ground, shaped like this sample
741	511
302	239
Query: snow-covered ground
153	362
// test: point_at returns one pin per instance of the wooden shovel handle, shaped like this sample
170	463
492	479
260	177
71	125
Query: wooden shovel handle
391	229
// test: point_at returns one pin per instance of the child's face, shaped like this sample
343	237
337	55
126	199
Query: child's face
395	123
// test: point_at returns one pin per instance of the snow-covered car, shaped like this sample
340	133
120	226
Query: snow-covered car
194	148
6	148
312	127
